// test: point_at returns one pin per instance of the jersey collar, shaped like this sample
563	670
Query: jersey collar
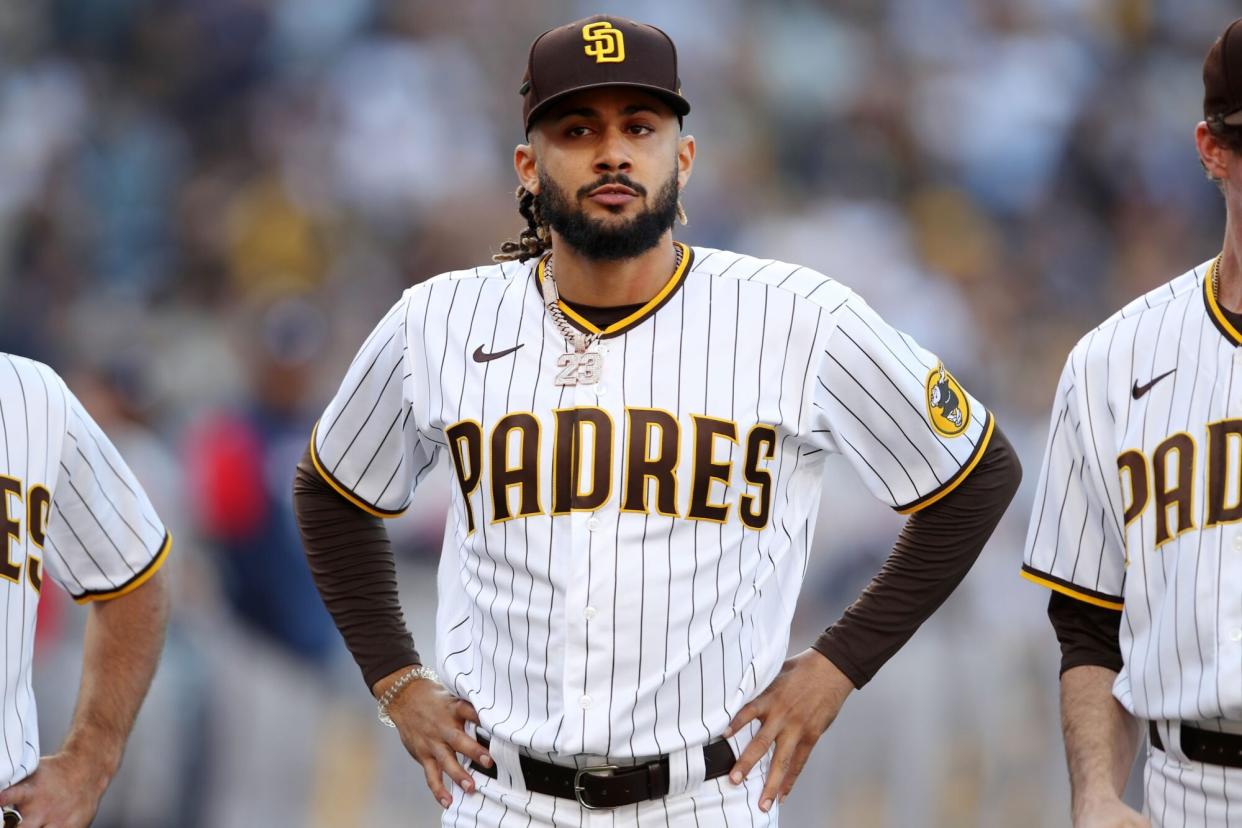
1215	312
634	319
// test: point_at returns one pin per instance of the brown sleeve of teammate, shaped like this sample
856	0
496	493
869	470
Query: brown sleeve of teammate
351	560
935	550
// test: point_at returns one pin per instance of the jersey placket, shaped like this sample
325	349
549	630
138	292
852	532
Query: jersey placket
587	604
1229	603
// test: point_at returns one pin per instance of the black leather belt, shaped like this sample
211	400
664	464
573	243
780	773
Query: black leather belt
610	786
1206	746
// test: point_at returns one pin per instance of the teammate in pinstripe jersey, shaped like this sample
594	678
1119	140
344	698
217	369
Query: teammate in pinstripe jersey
1136	524
637	431
71	509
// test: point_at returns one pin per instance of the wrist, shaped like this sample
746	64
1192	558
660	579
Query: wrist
1092	796
94	765
382	685
830	650
411	675
833	675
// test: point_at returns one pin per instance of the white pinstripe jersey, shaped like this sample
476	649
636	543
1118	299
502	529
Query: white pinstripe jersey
1139	499
622	560
70	508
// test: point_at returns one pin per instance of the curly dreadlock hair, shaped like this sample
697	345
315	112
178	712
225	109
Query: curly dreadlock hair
532	242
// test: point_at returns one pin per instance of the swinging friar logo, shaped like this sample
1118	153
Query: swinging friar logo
947	404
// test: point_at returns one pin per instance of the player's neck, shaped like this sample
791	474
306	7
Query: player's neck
1229	272
609	284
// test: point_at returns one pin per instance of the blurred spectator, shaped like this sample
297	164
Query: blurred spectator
240	469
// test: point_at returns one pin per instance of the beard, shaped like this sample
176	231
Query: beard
600	240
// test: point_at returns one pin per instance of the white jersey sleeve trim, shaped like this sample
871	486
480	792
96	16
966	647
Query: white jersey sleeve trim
1089	596
342	489
1074	542
145	574
969	466
366	444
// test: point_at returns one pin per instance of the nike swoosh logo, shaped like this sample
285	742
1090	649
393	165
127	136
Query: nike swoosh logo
1140	390
480	356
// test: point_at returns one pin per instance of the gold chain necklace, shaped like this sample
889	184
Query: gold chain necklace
584	364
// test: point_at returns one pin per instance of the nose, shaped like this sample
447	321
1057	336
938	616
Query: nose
612	153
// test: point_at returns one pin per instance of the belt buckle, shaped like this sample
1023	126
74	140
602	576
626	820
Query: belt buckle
579	789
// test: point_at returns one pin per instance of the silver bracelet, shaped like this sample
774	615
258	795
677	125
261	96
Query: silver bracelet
419	672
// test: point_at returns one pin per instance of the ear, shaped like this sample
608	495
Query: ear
685	160
1213	154
526	167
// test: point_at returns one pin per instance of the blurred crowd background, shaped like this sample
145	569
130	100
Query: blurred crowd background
206	204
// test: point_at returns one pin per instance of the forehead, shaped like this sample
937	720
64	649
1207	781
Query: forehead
608	102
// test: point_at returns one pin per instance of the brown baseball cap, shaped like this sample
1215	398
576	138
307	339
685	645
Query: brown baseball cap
600	51
1222	78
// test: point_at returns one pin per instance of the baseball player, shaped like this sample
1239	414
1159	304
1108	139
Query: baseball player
71	509
637	432
1135	526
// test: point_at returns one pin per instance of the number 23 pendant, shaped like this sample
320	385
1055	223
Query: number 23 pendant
579	368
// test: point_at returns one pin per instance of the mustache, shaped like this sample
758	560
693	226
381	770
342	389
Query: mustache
614	178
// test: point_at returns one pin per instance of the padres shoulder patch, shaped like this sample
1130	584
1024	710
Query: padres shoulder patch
947	405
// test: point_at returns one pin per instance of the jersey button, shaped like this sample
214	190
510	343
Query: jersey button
584	702
588	613
1237	543
593	524
1235	635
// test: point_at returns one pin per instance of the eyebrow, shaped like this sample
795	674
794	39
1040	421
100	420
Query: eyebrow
589	112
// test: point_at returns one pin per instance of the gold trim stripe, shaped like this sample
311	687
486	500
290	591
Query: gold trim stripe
636	316
138	580
1218	316
340	488
919	505
1073	593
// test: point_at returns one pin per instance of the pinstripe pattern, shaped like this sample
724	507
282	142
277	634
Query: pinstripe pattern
102	534
630	633
1181	597
1179	793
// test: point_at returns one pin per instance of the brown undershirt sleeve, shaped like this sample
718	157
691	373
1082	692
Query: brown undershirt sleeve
1088	634
352	563
935	550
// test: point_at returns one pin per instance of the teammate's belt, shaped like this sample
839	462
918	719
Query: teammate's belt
610	786
1205	746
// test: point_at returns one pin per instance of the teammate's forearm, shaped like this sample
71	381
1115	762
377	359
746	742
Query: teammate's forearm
351	561
936	549
124	637
1101	738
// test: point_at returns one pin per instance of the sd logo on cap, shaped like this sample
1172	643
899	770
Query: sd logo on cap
600	51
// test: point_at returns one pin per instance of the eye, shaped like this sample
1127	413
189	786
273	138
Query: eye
639	129
578	131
